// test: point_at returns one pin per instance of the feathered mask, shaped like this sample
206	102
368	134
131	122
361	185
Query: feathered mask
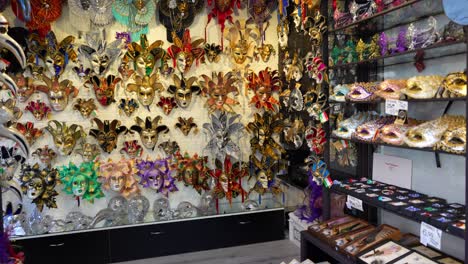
118	177
157	175
263	85
220	131
217	88
145	56
81	181
100	54
185	51
228	179
39	185
192	171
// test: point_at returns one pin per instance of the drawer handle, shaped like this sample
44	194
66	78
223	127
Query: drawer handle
56	245
244	222
156	233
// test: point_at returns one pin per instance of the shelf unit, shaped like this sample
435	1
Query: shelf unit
380	101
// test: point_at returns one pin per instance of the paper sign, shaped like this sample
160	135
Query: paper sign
355	203
392	107
431	236
392	170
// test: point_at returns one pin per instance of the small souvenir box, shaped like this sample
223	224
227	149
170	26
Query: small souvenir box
331	232
317	229
457	227
381	233
341	241
396	205
392	251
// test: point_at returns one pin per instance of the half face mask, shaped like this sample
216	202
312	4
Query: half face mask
81	182
128	106
453	85
88	151
167	104
107	133
25	87
192	171
146	88
169	148
45	155
183	90
104	88
10	161
118	177
65	137
263	85
132	149
241	42
145	56
38	185
185	125
29	132
220	131
149	130
38	109
58	92
228	177
264	52
185	51
217	88
157	175
213	52
85	106
100	55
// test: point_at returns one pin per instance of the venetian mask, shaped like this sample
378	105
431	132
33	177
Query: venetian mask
104	88
65	137
315	67
128	106
11	113
145	55
218	87
228	177
157	175
57	92
45	155
81	182
25	87
283	32
58	54
132	149
125	71
38	185
315	102
167	104
38	109
241	41
88	151
262	179
292	98
10	161
192	171
161	209
294	69
184	52
294	132
100	54
138	206
107	133
169	147
265	179
220	132
264	52
263	85
118	177
146	88
186	125
213	52
85	106
183	90
453	85
316	27
29	132
149	130
82	72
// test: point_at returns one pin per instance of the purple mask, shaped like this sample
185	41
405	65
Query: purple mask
157	175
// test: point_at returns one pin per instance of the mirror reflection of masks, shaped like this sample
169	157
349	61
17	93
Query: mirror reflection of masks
38	185
146	88
107	133
149	130
65	137
183	90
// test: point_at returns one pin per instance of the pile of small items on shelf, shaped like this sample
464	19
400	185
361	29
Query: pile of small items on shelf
361	242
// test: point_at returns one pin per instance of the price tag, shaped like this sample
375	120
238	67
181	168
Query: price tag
392	107
355	203
430	235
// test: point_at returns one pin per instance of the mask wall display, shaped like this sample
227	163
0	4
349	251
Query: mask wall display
44	13
213	52
45	155
138	206
453	85
128	106
104	88
58	92
157	175
260	12
89	152
100	54
10	161
228	177
11	113
149	130
185	125
146	88
192	171
169	148
221	130
38	109
422	87
242	40
118	177
132	149
145	56
222	10
38	185
217	88
135	15
91	14
294	133
184	52
107	133
263	85
167	104
29	131
26	87
183	90
125	70
85	106
264	52
65	137
265	179
81	182
178	15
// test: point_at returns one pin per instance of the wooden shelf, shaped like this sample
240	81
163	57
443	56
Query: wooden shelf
312	248
407	100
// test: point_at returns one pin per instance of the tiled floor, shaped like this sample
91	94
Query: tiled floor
264	253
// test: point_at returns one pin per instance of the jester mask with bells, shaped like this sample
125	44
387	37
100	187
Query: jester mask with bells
213	52
107	133
65	137
183	90
58	92
104	88
38	185
217	88
85	106
45	155
186	125
100	54
38	109
145	56
89	152
263	129
169	147
149	130
9	162
263	85
157	175
185	51
220	131
26	87
118	177
81	182
146	88
58	55
192	171
241	41
228	177
265	179
29	131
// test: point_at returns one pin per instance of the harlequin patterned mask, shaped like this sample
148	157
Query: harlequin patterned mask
213	52
264	52
45	155
29	132
58	92
241	41
38	185
88	151
167	104
99	53
169	147
220	131
185	125
81	182
185	51
157	175
85	106
25	87
65	137
149	130
263	85
118	177
132	149
183	90
104	88
10	161
145	55
265	179
192	171
146	88
228	179
38	109
107	133
128	106
218	87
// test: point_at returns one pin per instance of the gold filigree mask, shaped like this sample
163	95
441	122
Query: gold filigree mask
85	107
107	133
146	88
65	137
186	125
454	85
88	151
264	52
149	130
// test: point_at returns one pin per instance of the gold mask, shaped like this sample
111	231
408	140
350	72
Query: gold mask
218	87
58	92
183	90
65	137
88	151
185	125
454	85
146	88
145	55
264	52
241	41
85	107
107	133
149	130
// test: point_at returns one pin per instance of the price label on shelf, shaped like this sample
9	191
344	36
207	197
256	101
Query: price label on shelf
393	107
431	236
355	203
